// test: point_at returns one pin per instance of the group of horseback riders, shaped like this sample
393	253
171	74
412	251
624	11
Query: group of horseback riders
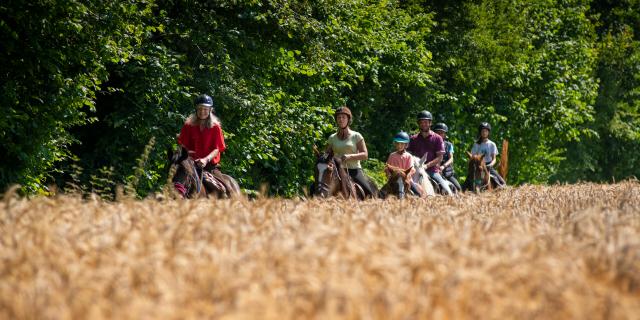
202	137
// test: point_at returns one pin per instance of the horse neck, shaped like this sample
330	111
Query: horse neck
189	166
347	185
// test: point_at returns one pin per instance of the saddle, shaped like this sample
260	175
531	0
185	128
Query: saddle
214	184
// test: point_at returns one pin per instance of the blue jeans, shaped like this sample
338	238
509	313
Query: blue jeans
441	181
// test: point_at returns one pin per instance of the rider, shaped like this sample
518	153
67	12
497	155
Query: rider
349	146
487	148
202	136
446	166
403	160
427	141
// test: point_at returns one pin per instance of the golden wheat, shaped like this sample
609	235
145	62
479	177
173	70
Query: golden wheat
528	252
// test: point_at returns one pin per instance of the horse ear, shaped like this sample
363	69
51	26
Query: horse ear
184	154
170	154
469	155
315	150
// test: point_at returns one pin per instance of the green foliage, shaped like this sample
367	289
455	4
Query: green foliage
374	168
54	61
105	85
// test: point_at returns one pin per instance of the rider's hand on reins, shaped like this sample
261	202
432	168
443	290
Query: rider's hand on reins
202	162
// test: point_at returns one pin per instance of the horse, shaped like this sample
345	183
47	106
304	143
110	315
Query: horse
332	179
397	180
478	172
478	176
421	177
191	181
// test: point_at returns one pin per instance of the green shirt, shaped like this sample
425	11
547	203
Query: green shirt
346	146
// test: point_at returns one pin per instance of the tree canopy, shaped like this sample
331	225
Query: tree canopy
93	92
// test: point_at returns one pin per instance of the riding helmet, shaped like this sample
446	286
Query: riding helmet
440	127
204	100
424	115
401	137
344	110
484	125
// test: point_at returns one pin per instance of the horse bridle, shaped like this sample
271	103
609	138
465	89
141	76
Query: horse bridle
479	182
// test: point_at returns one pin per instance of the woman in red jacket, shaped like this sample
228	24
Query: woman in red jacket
202	136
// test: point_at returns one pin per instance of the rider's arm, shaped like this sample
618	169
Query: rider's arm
449	162
493	160
212	155
411	173
435	161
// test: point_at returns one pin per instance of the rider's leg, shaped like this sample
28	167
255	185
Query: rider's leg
495	173
440	180
455	182
358	176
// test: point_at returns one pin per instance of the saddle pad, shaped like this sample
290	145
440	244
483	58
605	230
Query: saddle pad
212	183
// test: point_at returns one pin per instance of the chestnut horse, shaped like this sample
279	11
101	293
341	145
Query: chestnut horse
397	178
478	172
478	177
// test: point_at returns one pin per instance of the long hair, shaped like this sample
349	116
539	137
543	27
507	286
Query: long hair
209	122
479	141
343	133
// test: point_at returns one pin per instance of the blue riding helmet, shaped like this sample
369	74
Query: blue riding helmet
401	137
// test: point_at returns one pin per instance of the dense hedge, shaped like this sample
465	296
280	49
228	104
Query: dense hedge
93	92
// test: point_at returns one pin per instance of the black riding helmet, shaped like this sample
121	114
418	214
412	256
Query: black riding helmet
204	100
440	127
484	125
424	115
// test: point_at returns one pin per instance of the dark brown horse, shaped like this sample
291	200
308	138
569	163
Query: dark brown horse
190	181
332	179
478	176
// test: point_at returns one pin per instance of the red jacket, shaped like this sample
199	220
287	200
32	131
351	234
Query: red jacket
203	142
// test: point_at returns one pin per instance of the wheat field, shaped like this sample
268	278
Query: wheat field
531	252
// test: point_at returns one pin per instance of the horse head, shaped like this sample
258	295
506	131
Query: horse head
325	174
187	174
397	178
478	173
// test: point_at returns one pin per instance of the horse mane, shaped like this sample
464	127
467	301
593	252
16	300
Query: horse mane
397	172
348	186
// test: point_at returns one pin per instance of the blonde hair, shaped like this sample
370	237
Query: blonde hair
209	122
